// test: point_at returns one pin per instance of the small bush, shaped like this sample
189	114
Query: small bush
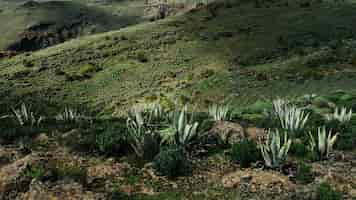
245	152
172	162
28	63
346	142
88	69
326	192
34	172
74	172
299	149
109	139
140	56
304	173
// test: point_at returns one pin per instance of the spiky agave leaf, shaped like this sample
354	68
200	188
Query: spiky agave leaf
331	141
266	155
312	143
69	115
292	118
219	112
137	135
181	130
326	141
343	115
25	117
190	131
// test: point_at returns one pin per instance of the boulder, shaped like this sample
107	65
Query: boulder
255	133
228	132
42	139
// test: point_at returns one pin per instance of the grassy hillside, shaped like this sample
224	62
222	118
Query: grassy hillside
241	55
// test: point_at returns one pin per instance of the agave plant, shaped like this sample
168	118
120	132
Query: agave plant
137	134
275	149
147	114
25	117
325	143
182	130
69	115
279	106
342	115
219	112
292	118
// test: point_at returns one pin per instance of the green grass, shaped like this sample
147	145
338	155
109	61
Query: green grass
249	53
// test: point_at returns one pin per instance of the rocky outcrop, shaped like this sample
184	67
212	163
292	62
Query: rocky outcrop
46	34
231	132
228	132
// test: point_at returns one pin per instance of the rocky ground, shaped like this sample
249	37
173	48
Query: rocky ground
49	170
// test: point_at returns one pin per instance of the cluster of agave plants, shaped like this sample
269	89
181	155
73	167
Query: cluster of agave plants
293	121
147	123
26	117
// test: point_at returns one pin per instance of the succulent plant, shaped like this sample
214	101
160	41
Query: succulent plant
275	149
342	115
25	116
69	115
181	130
324	145
148	114
219	112
292	118
137	134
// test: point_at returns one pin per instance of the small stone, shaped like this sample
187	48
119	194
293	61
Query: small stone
246	178
42	138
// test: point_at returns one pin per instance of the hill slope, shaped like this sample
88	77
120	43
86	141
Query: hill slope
31	25
241	54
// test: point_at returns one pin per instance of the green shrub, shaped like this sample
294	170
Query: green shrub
141	56
172	162
72	171
28	63
346	141
110	139
299	149
259	107
326	192
245	152
34	172
87	69
304	173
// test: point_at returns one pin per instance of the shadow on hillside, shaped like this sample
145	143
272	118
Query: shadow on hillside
54	22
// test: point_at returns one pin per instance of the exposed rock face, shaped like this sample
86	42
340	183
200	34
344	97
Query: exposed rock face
46	34
7	54
228	132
